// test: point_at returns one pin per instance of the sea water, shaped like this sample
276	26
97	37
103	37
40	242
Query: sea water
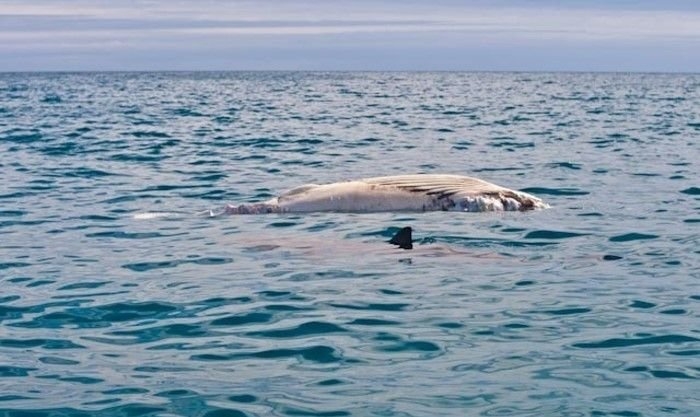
120	296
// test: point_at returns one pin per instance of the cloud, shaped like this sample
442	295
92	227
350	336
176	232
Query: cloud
101	27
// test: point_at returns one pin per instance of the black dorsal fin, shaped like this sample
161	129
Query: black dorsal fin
403	238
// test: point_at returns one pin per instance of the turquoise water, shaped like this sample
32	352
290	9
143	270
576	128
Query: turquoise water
589	308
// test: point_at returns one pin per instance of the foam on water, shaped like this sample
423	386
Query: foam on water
156	215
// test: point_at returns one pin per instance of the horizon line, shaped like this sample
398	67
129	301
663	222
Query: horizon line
184	71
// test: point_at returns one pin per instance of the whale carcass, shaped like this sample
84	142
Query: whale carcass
418	192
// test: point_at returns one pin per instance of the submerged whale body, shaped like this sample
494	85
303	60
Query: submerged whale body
419	192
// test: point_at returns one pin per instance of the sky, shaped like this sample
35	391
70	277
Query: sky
449	35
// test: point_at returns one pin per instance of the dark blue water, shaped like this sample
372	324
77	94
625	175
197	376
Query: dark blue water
590	308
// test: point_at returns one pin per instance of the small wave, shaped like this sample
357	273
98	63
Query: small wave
660	373
315	353
311	328
555	191
568	165
552	234
632	236
52	99
147	266
626	342
118	234
21	136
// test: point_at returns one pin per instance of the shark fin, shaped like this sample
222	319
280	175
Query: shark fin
403	238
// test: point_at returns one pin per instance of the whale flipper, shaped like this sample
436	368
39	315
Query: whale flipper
403	238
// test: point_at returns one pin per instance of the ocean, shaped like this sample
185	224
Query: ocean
588	308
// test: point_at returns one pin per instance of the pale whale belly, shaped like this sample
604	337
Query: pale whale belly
420	192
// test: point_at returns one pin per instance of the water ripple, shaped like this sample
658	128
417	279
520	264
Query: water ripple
589	308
